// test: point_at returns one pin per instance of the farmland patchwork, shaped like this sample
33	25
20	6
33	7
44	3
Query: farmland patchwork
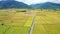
29	22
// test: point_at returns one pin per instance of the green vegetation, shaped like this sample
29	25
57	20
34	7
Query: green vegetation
3	29
18	30
14	22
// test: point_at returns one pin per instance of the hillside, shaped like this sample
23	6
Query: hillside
46	5
12	4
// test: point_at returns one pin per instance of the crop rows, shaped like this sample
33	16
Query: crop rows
47	23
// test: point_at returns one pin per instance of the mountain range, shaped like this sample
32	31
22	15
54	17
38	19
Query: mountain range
16	4
46	5
12	4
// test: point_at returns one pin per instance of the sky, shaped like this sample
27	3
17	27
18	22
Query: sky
37	1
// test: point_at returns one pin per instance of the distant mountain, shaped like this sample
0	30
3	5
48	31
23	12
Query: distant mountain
47	5
12	4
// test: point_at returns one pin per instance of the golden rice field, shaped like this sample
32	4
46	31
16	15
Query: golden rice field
19	22
47	23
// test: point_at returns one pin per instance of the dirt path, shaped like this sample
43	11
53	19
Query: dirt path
32	26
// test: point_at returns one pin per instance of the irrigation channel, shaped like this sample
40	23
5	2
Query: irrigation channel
32	26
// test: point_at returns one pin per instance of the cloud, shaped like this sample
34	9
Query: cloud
31	1
37	1
7	0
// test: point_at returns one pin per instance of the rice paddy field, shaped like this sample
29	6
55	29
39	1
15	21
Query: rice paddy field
29	21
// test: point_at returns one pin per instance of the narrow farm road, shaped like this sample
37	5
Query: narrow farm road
32	26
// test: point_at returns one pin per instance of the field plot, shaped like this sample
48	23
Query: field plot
18	30
29	21
16	23
47	23
20	21
3	29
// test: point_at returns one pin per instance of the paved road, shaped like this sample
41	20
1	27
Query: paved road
32	26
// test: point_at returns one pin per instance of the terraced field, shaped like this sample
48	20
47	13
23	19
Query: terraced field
29	22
